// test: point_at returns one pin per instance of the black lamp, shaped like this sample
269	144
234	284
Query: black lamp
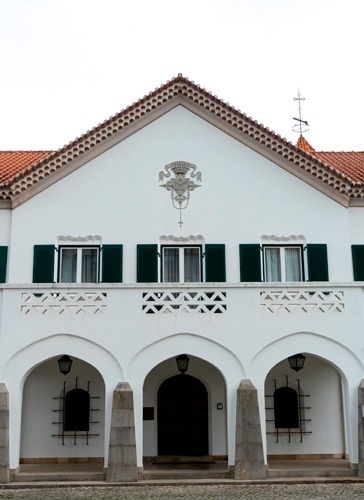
65	364
296	362
182	363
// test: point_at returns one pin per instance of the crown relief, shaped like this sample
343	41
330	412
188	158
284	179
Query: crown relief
179	184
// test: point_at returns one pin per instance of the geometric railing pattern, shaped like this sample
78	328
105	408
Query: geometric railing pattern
306	301
213	302
76	303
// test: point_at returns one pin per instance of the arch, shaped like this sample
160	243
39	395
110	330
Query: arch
222	358
343	359
30	356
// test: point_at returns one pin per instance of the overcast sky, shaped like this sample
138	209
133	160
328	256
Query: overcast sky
67	65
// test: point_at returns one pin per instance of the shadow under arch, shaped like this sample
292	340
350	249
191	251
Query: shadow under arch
32	355
220	357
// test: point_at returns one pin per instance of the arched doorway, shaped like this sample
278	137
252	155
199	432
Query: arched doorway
182	417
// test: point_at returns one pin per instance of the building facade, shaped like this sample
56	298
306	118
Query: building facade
180	226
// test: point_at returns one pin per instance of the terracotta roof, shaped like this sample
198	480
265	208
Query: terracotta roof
12	163
349	163
303	144
339	175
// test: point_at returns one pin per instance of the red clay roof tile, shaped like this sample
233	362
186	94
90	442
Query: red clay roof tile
13	163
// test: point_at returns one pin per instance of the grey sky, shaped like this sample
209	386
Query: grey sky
67	65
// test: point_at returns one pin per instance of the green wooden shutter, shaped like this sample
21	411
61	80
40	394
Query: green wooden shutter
147	263
215	263
43	264
357	252
112	263
317	262
250	263
3	263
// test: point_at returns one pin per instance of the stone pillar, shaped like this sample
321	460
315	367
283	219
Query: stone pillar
122	463
361	430
4	434
249	459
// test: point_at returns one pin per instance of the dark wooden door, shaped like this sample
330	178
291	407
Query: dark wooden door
182	417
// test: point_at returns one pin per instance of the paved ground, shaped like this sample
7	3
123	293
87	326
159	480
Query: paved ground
320	491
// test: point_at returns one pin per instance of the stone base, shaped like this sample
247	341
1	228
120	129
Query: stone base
249	458
245	470
122	473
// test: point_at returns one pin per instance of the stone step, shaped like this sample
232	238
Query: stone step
307	473
310	468
186	474
59	472
43	476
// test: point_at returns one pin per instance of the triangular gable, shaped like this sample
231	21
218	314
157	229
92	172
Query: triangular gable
181	91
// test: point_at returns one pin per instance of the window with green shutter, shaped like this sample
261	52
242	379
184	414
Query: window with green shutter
250	262
357	252
112	264
3	263
147	263
317	262
43	263
215	267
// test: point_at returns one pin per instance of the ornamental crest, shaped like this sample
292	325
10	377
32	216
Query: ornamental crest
179	184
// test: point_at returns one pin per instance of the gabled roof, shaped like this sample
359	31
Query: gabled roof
23	174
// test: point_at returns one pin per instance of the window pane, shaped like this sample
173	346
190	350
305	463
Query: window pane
192	265
89	265
272	264
293	264
171	265
68	265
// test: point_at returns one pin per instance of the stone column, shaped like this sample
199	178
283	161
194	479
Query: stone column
4	434
249	459
361	430
122	463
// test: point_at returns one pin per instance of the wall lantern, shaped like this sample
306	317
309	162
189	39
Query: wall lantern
65	364
182	363
296	362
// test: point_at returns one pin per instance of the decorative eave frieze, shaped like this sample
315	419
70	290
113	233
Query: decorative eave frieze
181	91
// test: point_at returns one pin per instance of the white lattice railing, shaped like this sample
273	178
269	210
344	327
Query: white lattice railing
184	302
77	303
291	301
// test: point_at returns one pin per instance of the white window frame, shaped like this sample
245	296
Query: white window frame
282	256
181	249
79	250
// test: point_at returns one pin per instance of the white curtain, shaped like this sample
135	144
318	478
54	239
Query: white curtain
171	265
89	265
293	264
68	265
192	265
273	264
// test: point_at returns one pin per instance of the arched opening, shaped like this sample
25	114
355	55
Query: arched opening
304	411
285	402
63	416
77	410
182	407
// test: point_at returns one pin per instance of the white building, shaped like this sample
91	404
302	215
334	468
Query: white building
98	262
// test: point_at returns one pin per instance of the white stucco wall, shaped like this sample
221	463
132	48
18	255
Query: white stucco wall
243	197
